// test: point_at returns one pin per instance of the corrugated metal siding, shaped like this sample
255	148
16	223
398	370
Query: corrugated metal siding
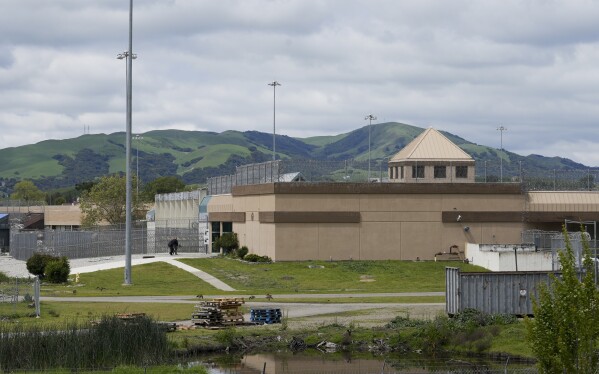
493	293
452	290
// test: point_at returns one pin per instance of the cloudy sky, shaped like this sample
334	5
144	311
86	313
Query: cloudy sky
466	67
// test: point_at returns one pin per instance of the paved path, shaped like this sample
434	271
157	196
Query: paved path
292	310
193	299
17	268
216	283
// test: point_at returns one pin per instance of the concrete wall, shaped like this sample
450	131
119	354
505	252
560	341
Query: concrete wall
496	257
62	215
177	208
308	224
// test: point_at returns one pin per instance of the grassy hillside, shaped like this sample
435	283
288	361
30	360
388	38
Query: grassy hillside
197	155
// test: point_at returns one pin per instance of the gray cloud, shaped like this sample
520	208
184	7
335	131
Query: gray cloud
461	66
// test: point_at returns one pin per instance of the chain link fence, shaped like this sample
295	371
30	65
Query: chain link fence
146	238
16	297
376	171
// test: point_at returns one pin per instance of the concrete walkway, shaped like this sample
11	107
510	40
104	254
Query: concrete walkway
216	283
17	268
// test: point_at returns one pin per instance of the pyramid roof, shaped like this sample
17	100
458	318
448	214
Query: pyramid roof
431	145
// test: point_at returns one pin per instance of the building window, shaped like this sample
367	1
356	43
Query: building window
440	172
215	234
461	171
401	170
417	171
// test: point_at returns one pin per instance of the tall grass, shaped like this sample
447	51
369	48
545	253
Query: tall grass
109	343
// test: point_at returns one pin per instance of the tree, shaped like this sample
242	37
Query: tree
28	192
162	185
36	264
565	329
106	201
54	269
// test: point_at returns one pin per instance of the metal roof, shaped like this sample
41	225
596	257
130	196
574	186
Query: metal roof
431	145
564	201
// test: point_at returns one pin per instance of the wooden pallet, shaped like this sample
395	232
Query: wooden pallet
219	311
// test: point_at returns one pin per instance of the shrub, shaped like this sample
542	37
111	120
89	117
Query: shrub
36	264
241	252
403	322
475	318
252	257
3	277
228	242
57	271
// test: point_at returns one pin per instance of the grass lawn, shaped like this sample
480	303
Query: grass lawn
329	277
349	277
512	340
54	312
157	279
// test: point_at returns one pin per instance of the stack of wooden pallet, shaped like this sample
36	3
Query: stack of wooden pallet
265	315
218	312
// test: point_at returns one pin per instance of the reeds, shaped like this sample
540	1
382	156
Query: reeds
110	342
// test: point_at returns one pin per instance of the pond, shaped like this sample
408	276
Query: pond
316	362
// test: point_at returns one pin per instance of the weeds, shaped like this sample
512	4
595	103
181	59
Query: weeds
110	343
227	337
472	330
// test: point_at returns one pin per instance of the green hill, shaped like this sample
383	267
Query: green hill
197	155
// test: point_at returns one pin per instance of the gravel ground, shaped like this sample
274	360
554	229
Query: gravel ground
365	315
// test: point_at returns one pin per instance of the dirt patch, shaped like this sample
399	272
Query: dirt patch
378	316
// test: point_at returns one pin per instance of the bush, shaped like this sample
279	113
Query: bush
255	258
57	271
3	278
241	252
228	242
36	264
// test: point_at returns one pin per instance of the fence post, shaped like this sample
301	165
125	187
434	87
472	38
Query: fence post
36	296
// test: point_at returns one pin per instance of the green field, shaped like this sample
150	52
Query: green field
330	277
346	277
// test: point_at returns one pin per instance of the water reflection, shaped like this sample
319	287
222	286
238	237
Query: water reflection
317	363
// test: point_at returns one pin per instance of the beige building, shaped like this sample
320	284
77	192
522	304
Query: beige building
55	217
407	221
431	158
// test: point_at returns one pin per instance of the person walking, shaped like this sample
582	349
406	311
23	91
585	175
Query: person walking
173	245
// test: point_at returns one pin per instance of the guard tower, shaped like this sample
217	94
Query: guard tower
431	158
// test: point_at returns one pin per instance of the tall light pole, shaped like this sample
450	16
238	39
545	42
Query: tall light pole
138	138
274	85
128	56
370	118
501	129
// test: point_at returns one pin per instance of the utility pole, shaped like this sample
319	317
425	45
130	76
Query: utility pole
370	118
137	137
274	85
501	129
128	56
